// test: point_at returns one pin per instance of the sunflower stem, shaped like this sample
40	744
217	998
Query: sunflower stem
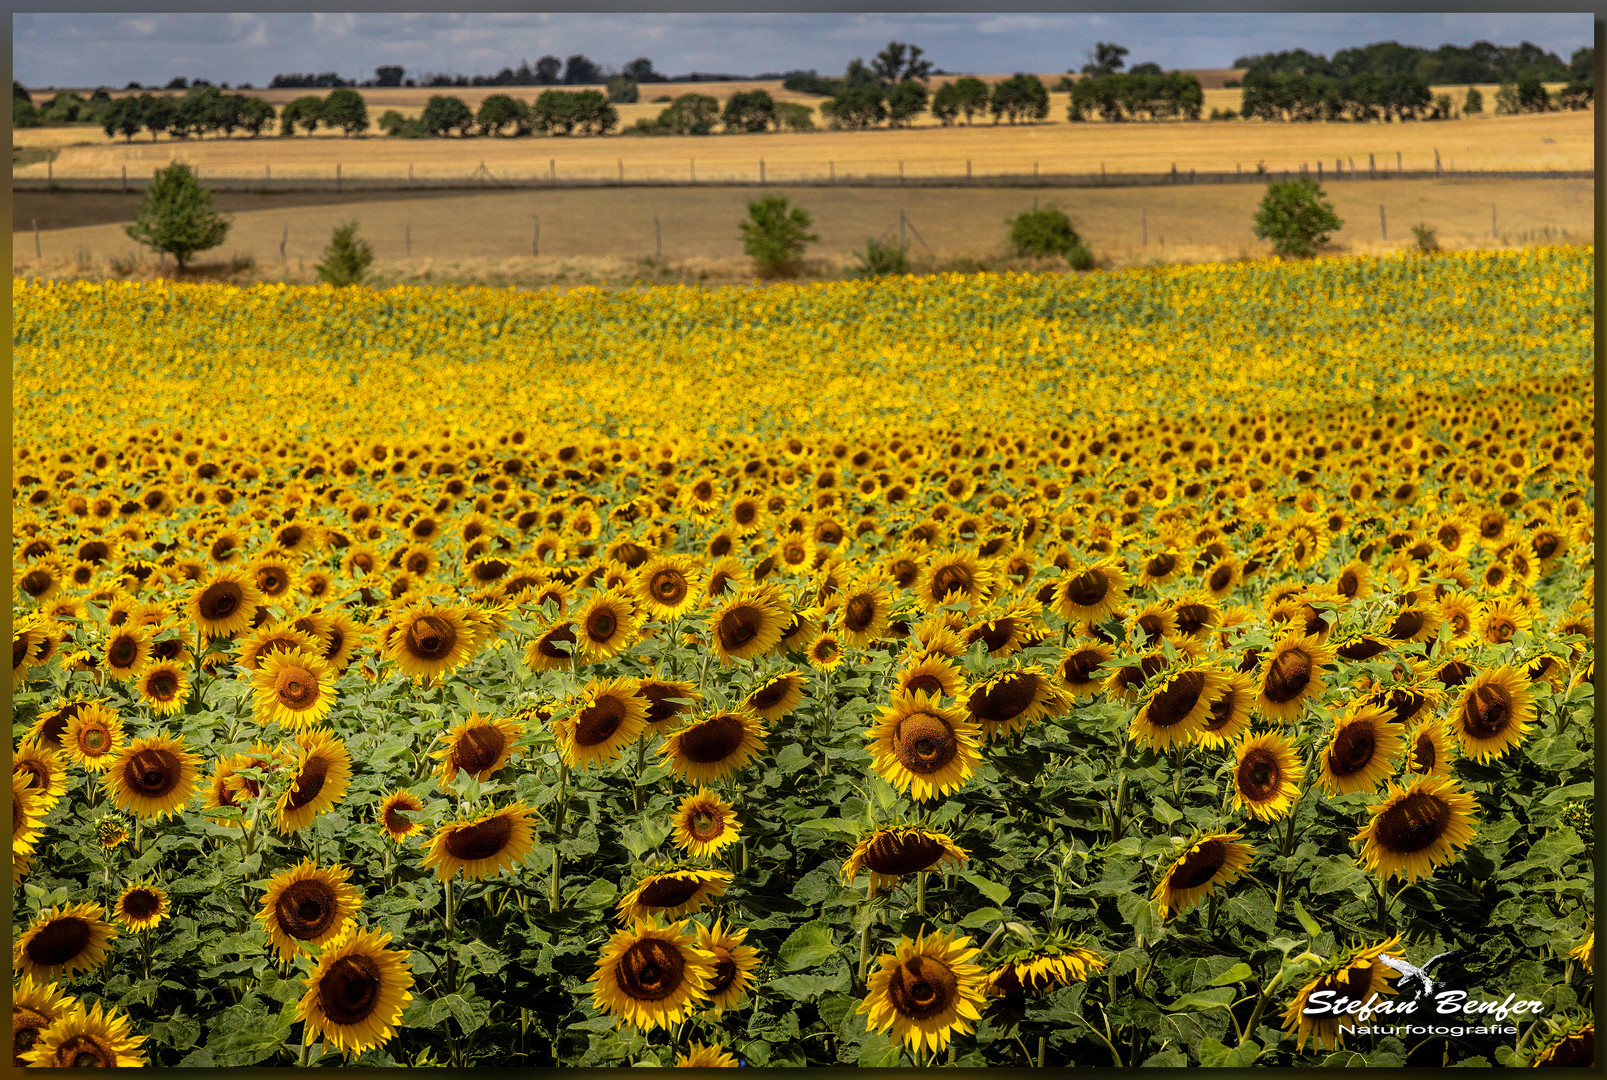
920	893
1260	1007
641	757
1042	1041
864	952
557	832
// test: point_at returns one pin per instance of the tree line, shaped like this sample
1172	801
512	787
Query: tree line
1449	65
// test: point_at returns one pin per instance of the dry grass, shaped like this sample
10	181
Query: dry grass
599	234
1541	142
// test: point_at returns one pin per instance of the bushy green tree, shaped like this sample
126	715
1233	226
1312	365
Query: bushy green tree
444	113
1046	231
498	111
856	106
775	234
177	216
751	110
345	109
123	117
905	102
1473	104
347	257
305	112
623	91
795	116
690	114
1296	216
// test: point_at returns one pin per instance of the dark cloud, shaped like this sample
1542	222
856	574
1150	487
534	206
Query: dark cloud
84	49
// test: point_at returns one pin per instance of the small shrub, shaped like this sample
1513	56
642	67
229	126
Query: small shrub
881	259
346	259
1296	217
1045	231
1427	238
775	234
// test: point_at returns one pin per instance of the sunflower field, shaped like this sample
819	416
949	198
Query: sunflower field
968	670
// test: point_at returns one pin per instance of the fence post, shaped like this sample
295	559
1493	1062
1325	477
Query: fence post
901	241
1436	161
1174	172
409	172
1383	229
900	172
535	238
50	170
1319	171
621	169
282	239
125	179
337	176
658	239
407	237
831	171
36	252
1372	172
1143	227
693	163
1101	174
1352	168
1398	169
761	172
552	171
968	168
1191	176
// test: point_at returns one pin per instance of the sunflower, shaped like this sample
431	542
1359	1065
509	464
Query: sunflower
705	823
925	992
142	905
1356	975
152	777
1566	1044
1178	707
607	624
1079	668
1012	699
1585	953
63	941
864	612
1209	861
224	603
1428	748
482	846
953	577
357	992
747	625
429	641
921	747
1091	592
1230	713
1267	773
1361	750
1043	966
666	700
715	746
393	811
294	689
27	812
554	649
669	585
127	651
34	1004
1355	580
85	1038
609	718
891	853
826	651
650	976
44	770
1415	622
673	893
479	746
733	965
1415	829
776	696
305	907
342	636
1493	714
323	770
1502	619
1290	675
698	1056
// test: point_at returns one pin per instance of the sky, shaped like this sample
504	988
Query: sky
112	49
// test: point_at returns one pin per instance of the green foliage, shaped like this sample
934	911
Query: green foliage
622	91
177	216
1140	94
1427	239
1473	104
395	124
305	112
1020	97
795	116
882	259
856	106
444	114
345	109
689	114
582	112
1296	217
749	110
24	114
347	257
1044	231
1521	96
905	102
775	234
498	111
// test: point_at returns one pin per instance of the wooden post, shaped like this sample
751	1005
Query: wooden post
552	170
621	169
901	241
36	252
1143	227
1436	160
900	172
337	176
693	163
658	239
1101	174
761	172
1372	171
50	170
968	168
1352	167
282	239
1191	176
1319	171
831	170
1174	172
409	172
535	239
1398	169
407	237
1383	229
125	178
1492	221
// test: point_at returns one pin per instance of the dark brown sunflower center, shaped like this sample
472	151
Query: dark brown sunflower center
26	1024
1087	588
93	741
37	582
481	840
995	634
1173	703
431	638
59	941
1161	565
1488	712
396	820
560	635
478	748
1078	668
739	626
922	987
950	579
1005	699
84	1052
1501	628
597	722
152	773
349	991
923	743
1288	675
309	782
272	580
306	908
1200	865
1353	981
141	904
123	653
770	694
902	853
1361	649
670	892
1406	625
904	572
651	970
716	739
1221	577
1353	749
1349	584
1259	775
659	707
925	683
296	688
1424	755
1574	1052
725	971
707	824
859	612
601	625
1414	823
668	586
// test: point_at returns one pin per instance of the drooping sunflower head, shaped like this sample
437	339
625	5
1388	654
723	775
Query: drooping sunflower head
1429	751
478	746
734	964
1178	707
672	893
666	700
747	625
322	772
1356	974
650	976
1361	750
925	992
1229	719
953	577
608	717
705	749
1206	863
223	603
1567	1042
1291	674
704	823
484	845
1267	773
922	747
393	815
1493	714
142	905
1013	699
153	777
891	853
1418	828
63	941
1059	960
35	1003
85	1038
776	696
357	991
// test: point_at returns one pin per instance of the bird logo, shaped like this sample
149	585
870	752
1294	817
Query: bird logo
1424	985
